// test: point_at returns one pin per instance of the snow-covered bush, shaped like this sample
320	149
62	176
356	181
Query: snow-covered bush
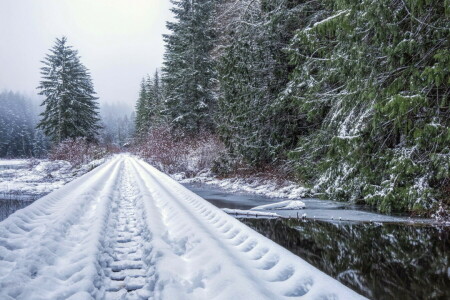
175	154
77	151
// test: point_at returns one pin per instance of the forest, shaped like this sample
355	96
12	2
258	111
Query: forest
349	97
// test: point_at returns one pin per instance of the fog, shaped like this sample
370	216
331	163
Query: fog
119	41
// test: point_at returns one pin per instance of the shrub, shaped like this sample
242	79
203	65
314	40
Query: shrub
180	154
77	151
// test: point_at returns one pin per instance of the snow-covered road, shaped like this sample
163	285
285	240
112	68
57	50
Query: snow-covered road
127	231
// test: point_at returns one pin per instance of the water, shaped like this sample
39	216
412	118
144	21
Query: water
315	208
394	257
8	206
379	261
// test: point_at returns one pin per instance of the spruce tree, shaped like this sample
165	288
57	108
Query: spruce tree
253	120
150	105
155	104
373	78
70	102
188	71
17	121
142	113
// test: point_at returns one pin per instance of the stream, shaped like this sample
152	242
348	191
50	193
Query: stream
379	256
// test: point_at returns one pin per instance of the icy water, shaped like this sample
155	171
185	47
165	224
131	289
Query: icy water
8	206
380	261
392	258
315	208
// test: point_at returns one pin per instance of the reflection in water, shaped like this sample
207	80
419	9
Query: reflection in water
8	206
389	261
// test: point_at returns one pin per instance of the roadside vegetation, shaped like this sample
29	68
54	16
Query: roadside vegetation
350	98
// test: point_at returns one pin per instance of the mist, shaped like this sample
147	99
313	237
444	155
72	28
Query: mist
118	41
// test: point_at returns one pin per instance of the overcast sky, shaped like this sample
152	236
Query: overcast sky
118	40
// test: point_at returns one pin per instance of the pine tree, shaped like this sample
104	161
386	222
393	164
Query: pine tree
156	105
142	113
70	104
188	72
371	77
150	107
255	123
17	122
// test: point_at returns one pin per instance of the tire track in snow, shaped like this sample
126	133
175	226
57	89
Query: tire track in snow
127	231
128	276
188	239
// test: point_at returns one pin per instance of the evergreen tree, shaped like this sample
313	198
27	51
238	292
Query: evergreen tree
17	121
142	112
254	69
150	107
70	104
355	94
155	103
373	77
188	71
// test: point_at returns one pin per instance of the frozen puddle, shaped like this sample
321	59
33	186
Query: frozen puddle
127	231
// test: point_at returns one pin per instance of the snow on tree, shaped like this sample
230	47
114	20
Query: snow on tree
150	107
17	121
373	78
142	113
350	96
188	71
70	102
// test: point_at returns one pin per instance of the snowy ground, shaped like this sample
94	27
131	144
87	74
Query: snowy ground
127	231
255	185
22	179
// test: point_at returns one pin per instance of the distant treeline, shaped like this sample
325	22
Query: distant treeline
351	95
18	134
19	116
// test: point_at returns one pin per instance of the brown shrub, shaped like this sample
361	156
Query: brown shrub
175	154
77	151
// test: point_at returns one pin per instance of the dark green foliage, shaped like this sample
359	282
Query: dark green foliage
17	121
142	111
353	94
70	104
150	107
253	118
375	76
188	72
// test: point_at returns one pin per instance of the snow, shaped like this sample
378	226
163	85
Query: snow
254	185
127	231
13	163
286	205
328	19
31	179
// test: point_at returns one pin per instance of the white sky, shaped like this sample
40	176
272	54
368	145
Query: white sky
119	41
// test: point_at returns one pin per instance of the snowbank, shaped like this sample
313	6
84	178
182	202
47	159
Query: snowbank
285	205
31	179
261	186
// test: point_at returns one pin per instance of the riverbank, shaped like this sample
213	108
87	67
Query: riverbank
30	179
315	209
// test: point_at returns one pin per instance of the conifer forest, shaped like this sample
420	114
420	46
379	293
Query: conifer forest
351	97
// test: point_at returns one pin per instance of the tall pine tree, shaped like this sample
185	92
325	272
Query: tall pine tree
188	72
142	113
70	104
